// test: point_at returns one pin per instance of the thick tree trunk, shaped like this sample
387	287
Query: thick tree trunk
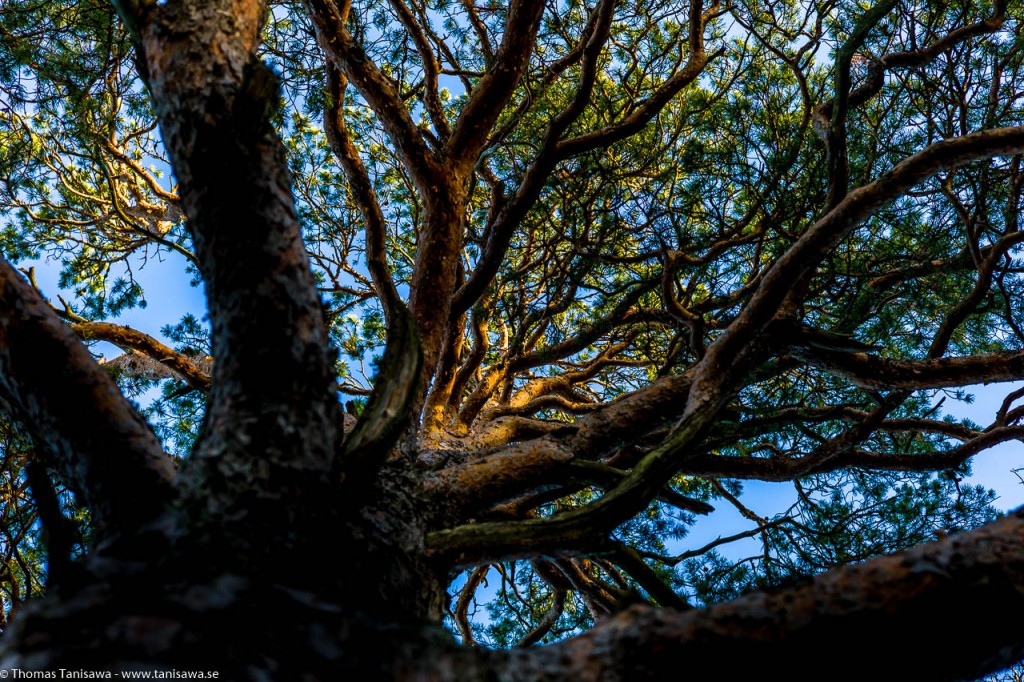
258	566
892	614
356	597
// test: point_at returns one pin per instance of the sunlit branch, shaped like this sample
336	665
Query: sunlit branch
130	339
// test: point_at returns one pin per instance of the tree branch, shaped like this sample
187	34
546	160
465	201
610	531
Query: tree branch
878	68
878	373
719	368
128	338
731	357
58	531
350	58
629	561
492	92
476	577
898	608
431	95
545	624
100	445
388	409
792	468
835	140
554	149
362	189
646	110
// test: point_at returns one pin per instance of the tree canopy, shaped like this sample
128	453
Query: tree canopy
504	299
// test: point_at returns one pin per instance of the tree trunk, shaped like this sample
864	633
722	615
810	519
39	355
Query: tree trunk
352	594
256	565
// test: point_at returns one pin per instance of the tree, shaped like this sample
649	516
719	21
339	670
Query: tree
618	257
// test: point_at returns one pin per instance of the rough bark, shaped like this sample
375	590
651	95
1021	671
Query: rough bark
213	98
888	617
